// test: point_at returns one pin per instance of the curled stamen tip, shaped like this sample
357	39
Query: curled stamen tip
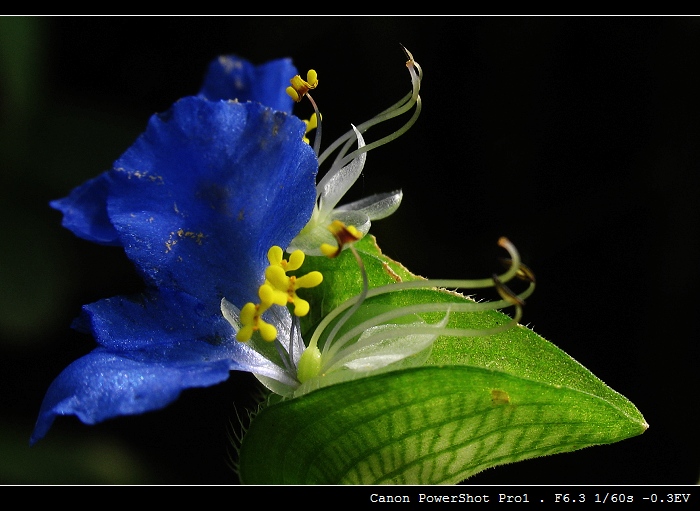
506	293
409	55
504	242
523	273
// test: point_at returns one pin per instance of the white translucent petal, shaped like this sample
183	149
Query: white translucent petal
376	206
277	386
231	314
310	239
281	318
373	362
255	362
337	182
382	345
393	358
358	219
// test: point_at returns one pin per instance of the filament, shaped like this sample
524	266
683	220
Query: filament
512	272
317	135
399	108
422	308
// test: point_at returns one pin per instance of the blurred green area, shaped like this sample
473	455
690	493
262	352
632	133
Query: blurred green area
70	460
39	281
40	140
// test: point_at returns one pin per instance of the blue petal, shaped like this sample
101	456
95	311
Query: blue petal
154	346
202	195
104	384
230	77
151	318
85	212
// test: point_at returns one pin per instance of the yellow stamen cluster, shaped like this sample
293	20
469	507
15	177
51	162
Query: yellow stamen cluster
285	286
278	289
343	234
301	87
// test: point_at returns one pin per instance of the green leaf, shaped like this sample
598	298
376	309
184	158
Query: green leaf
478	402
428	425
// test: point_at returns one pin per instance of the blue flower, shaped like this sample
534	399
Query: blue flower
195	202
228	77
202	203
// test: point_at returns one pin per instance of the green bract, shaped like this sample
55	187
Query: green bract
475	403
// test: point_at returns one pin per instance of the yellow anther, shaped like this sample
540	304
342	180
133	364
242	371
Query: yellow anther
275	254
276	257
311	125
329	250
284	287
277	279
343	234
301	87
251	317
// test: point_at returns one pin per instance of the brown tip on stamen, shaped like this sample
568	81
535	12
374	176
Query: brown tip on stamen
345	236
409	55
504	242
523	273
506	293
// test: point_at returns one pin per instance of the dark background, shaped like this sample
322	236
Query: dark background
576	137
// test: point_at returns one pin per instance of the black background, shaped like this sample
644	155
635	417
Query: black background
576	137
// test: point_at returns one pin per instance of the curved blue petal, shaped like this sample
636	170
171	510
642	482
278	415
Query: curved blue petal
154	317
153	346
104	384
202	195
196	203
230	77
85	212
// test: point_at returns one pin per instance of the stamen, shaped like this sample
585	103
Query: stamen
401	107
313	361
346	169
506	293
331	350
275	255
311	125
285	356
284	287
299	89
381	333
343	234
327	351
523	273
251	317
